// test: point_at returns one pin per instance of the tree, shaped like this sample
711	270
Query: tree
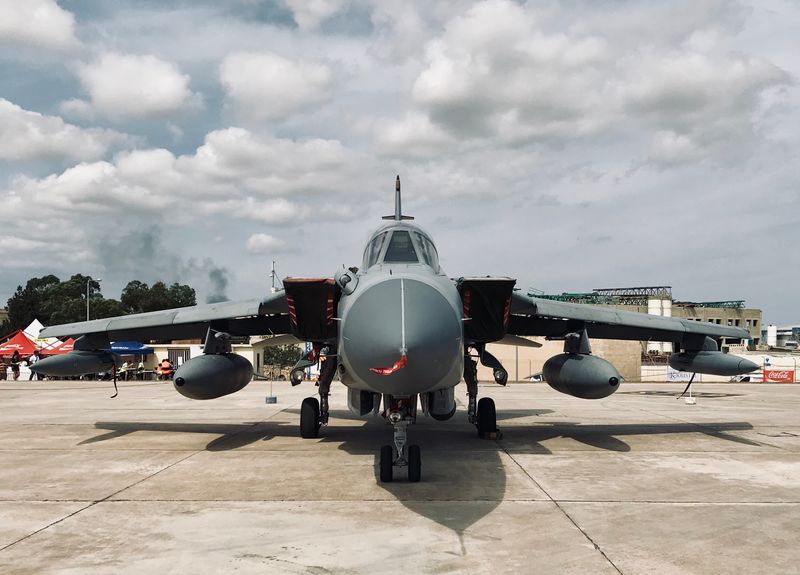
53	301
282	355
138	297
133	296
26	304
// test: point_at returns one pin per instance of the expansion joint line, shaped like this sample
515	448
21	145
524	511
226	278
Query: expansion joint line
135	483
93	503
563	511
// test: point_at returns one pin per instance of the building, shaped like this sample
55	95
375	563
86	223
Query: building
781	337
3	315
522	362
180	352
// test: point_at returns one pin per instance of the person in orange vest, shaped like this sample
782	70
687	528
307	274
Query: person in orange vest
165	368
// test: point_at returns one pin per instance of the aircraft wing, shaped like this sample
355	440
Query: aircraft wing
545	317
249	317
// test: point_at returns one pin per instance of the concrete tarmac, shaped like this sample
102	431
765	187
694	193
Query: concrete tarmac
152	482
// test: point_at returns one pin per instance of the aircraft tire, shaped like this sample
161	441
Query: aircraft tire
414	464
386	464
309	418
487	417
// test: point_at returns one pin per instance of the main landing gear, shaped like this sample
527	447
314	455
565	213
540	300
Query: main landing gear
480	413
401	412
314	412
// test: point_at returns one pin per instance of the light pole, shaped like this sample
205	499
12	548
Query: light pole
88	281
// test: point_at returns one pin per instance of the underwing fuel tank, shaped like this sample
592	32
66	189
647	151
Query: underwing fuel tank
711	362
213	375
581	375
77	363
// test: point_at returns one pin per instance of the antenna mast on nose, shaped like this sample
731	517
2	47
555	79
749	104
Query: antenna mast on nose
398	211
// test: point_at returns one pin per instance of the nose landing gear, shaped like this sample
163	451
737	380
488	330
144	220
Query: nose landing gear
401	413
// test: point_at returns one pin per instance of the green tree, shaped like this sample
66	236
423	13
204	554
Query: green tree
133	296
27	303
138	297
282	355
53	301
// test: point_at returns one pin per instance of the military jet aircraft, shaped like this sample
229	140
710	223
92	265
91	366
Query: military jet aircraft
401	335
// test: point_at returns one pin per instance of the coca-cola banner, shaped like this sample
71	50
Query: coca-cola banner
779	375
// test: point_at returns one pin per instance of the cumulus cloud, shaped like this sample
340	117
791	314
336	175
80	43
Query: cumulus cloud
235	172
26	135
503	71
38	24
309	13
125	86
76	108
266	86
265	244
559	125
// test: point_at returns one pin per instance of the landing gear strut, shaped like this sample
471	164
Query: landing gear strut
315	413
480	413
401	413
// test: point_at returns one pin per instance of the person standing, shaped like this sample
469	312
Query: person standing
32	360
15	361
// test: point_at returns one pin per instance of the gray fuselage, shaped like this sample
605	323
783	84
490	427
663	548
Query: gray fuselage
400	303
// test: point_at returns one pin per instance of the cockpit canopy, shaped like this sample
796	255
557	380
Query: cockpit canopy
402	244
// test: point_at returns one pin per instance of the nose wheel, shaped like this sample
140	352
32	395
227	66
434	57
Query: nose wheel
412	460
401	414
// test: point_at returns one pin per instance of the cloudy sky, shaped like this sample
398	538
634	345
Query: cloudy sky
571	145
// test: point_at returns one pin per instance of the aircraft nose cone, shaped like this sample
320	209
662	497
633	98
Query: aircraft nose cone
394	310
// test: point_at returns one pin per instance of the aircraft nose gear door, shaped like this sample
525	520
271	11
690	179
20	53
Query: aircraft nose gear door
400	412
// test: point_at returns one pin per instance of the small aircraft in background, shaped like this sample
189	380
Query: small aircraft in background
400	335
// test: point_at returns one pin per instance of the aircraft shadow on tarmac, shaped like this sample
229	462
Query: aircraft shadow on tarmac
464	477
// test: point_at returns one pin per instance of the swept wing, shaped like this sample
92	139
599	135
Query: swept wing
248	317
537	316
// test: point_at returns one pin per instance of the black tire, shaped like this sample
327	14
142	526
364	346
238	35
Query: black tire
309	418
386	464
414	464
487	417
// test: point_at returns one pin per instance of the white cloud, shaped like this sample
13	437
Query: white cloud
504	73
76	108
37	24
310	13
265	86
26	135
412	135
265	244
123	86
235	172
275	211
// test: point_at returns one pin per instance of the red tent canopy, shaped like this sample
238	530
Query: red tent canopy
18	342
60	347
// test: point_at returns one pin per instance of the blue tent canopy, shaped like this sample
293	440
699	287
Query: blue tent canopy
130	348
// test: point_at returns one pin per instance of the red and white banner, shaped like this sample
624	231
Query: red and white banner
779	375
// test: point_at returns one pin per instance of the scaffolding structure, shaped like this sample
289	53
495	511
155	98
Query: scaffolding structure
633	296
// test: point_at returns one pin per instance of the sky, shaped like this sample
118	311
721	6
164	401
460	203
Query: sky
571	145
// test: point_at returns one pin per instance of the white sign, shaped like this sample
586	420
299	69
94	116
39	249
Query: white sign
674	375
